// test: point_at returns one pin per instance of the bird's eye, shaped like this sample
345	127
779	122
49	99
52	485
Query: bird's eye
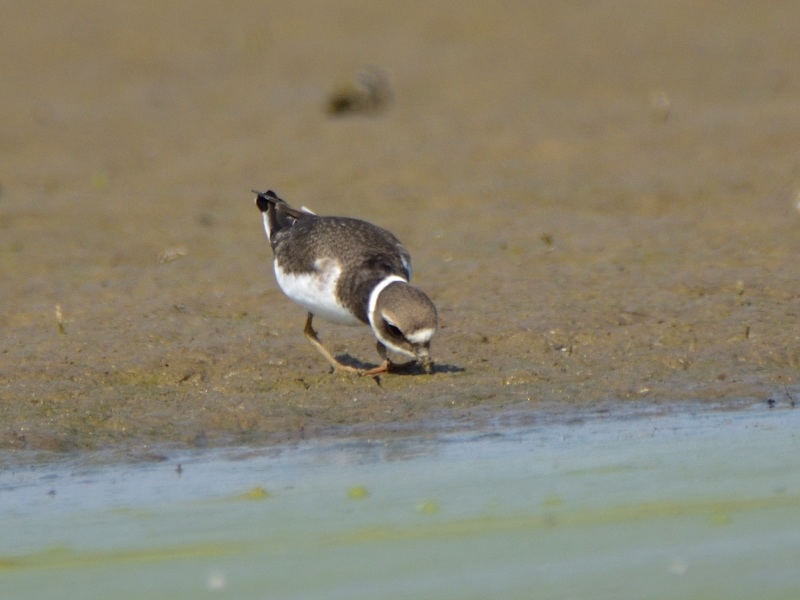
393	329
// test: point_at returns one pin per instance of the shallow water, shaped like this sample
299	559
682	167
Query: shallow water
679	506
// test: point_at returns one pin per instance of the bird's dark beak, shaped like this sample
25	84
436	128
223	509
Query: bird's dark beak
424	359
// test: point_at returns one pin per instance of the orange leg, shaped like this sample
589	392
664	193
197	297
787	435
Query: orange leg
311	336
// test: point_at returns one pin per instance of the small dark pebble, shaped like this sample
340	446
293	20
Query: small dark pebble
372	92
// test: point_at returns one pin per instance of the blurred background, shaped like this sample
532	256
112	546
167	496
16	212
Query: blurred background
600	197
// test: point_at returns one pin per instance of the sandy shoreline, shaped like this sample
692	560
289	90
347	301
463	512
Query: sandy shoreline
599	197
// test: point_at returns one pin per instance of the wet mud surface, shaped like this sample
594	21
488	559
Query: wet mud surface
600	197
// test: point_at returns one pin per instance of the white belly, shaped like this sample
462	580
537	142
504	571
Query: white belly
316	292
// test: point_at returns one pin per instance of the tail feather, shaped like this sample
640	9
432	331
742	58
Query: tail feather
277	214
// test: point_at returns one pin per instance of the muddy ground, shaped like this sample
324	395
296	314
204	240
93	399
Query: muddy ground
600	197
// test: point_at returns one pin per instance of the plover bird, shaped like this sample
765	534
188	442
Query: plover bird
349	272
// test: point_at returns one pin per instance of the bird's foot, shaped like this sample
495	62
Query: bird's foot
389	367
382	368
341	368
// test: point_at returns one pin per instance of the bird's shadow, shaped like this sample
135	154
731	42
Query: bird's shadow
414	369
439	368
